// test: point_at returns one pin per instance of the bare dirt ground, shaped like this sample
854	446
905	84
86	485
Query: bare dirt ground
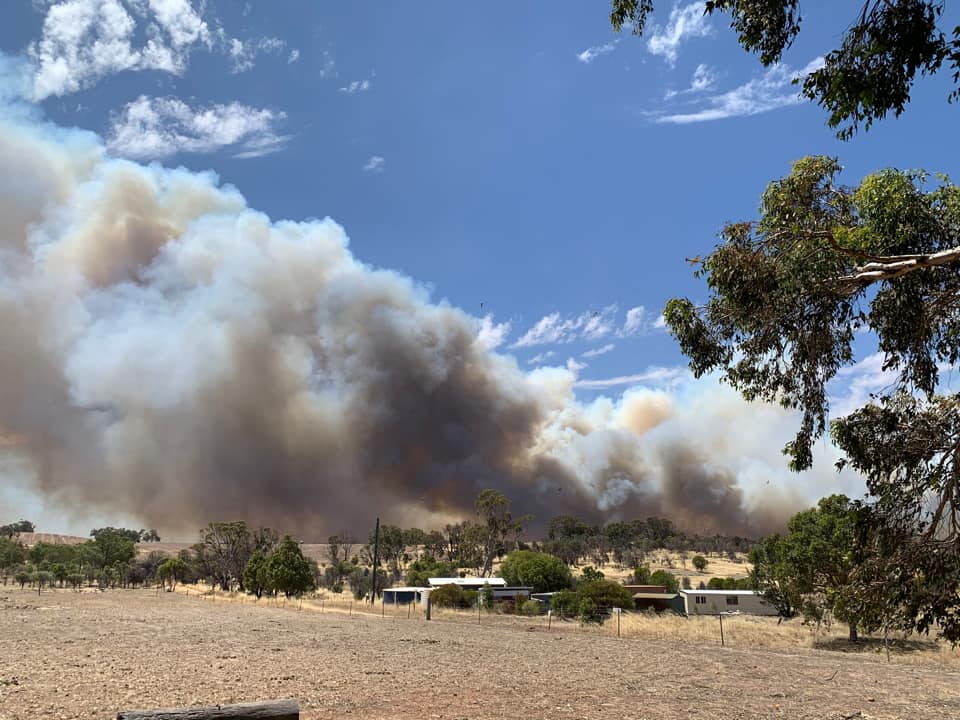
91	654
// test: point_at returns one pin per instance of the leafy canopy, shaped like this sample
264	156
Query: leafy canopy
788	295
882	49
542	572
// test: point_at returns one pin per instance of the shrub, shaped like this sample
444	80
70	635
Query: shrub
486	596
589	613
337	588
700	562
685	583
470	597
662	577
591	574
604	594
530	608
564	603
450	596
541	571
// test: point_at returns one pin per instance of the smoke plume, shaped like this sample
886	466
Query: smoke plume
171	354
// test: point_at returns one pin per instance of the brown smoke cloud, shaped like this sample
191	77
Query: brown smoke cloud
169	353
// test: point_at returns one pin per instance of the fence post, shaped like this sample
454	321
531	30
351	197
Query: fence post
720	615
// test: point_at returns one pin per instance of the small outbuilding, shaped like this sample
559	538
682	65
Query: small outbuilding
405	595
711	602
659	602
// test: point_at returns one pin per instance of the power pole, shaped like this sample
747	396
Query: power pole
376	561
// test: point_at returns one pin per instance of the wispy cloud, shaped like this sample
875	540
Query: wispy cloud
243	53
541	357
653	376
638	322
660	323
149	128
376	164
597	352
772	90
592	53
703	80
293	56
357	86
684	22
554	328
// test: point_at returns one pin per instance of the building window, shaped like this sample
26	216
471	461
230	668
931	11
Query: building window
700	599
733	600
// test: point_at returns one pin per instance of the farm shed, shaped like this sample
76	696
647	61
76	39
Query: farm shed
510	592
659	602
405	595
711	602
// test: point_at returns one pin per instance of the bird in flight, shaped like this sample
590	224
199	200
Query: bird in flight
693	260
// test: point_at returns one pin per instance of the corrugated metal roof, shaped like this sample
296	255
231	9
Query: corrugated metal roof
492	581
719	592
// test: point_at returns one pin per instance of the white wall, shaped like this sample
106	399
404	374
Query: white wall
717	602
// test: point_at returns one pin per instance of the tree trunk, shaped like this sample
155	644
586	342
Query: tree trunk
853	637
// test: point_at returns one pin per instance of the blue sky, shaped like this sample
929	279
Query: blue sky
520	160
514	156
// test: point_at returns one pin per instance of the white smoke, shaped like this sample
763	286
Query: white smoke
170	354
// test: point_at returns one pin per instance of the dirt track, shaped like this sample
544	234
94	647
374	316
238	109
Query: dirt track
88	655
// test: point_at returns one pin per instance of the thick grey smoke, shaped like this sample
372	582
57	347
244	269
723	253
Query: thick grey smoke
171	354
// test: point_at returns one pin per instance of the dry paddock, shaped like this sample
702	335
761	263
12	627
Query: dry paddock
88	655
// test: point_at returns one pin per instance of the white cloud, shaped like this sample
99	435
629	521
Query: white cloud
859	381
293	56
686	22
328	66
84	41
703	79
541	357
356	86
243	53
597	352
158	127
653	376
771	90
553	328
592	53
660	323
575	366
375	164
634	321
491	335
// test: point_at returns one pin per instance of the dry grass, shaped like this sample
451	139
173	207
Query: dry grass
87	655
744	631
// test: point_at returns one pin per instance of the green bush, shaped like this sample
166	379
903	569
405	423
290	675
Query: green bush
541	571
700	562
470	597
450	596
604	594
589	613
564	603
662	577
530	608
486	596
